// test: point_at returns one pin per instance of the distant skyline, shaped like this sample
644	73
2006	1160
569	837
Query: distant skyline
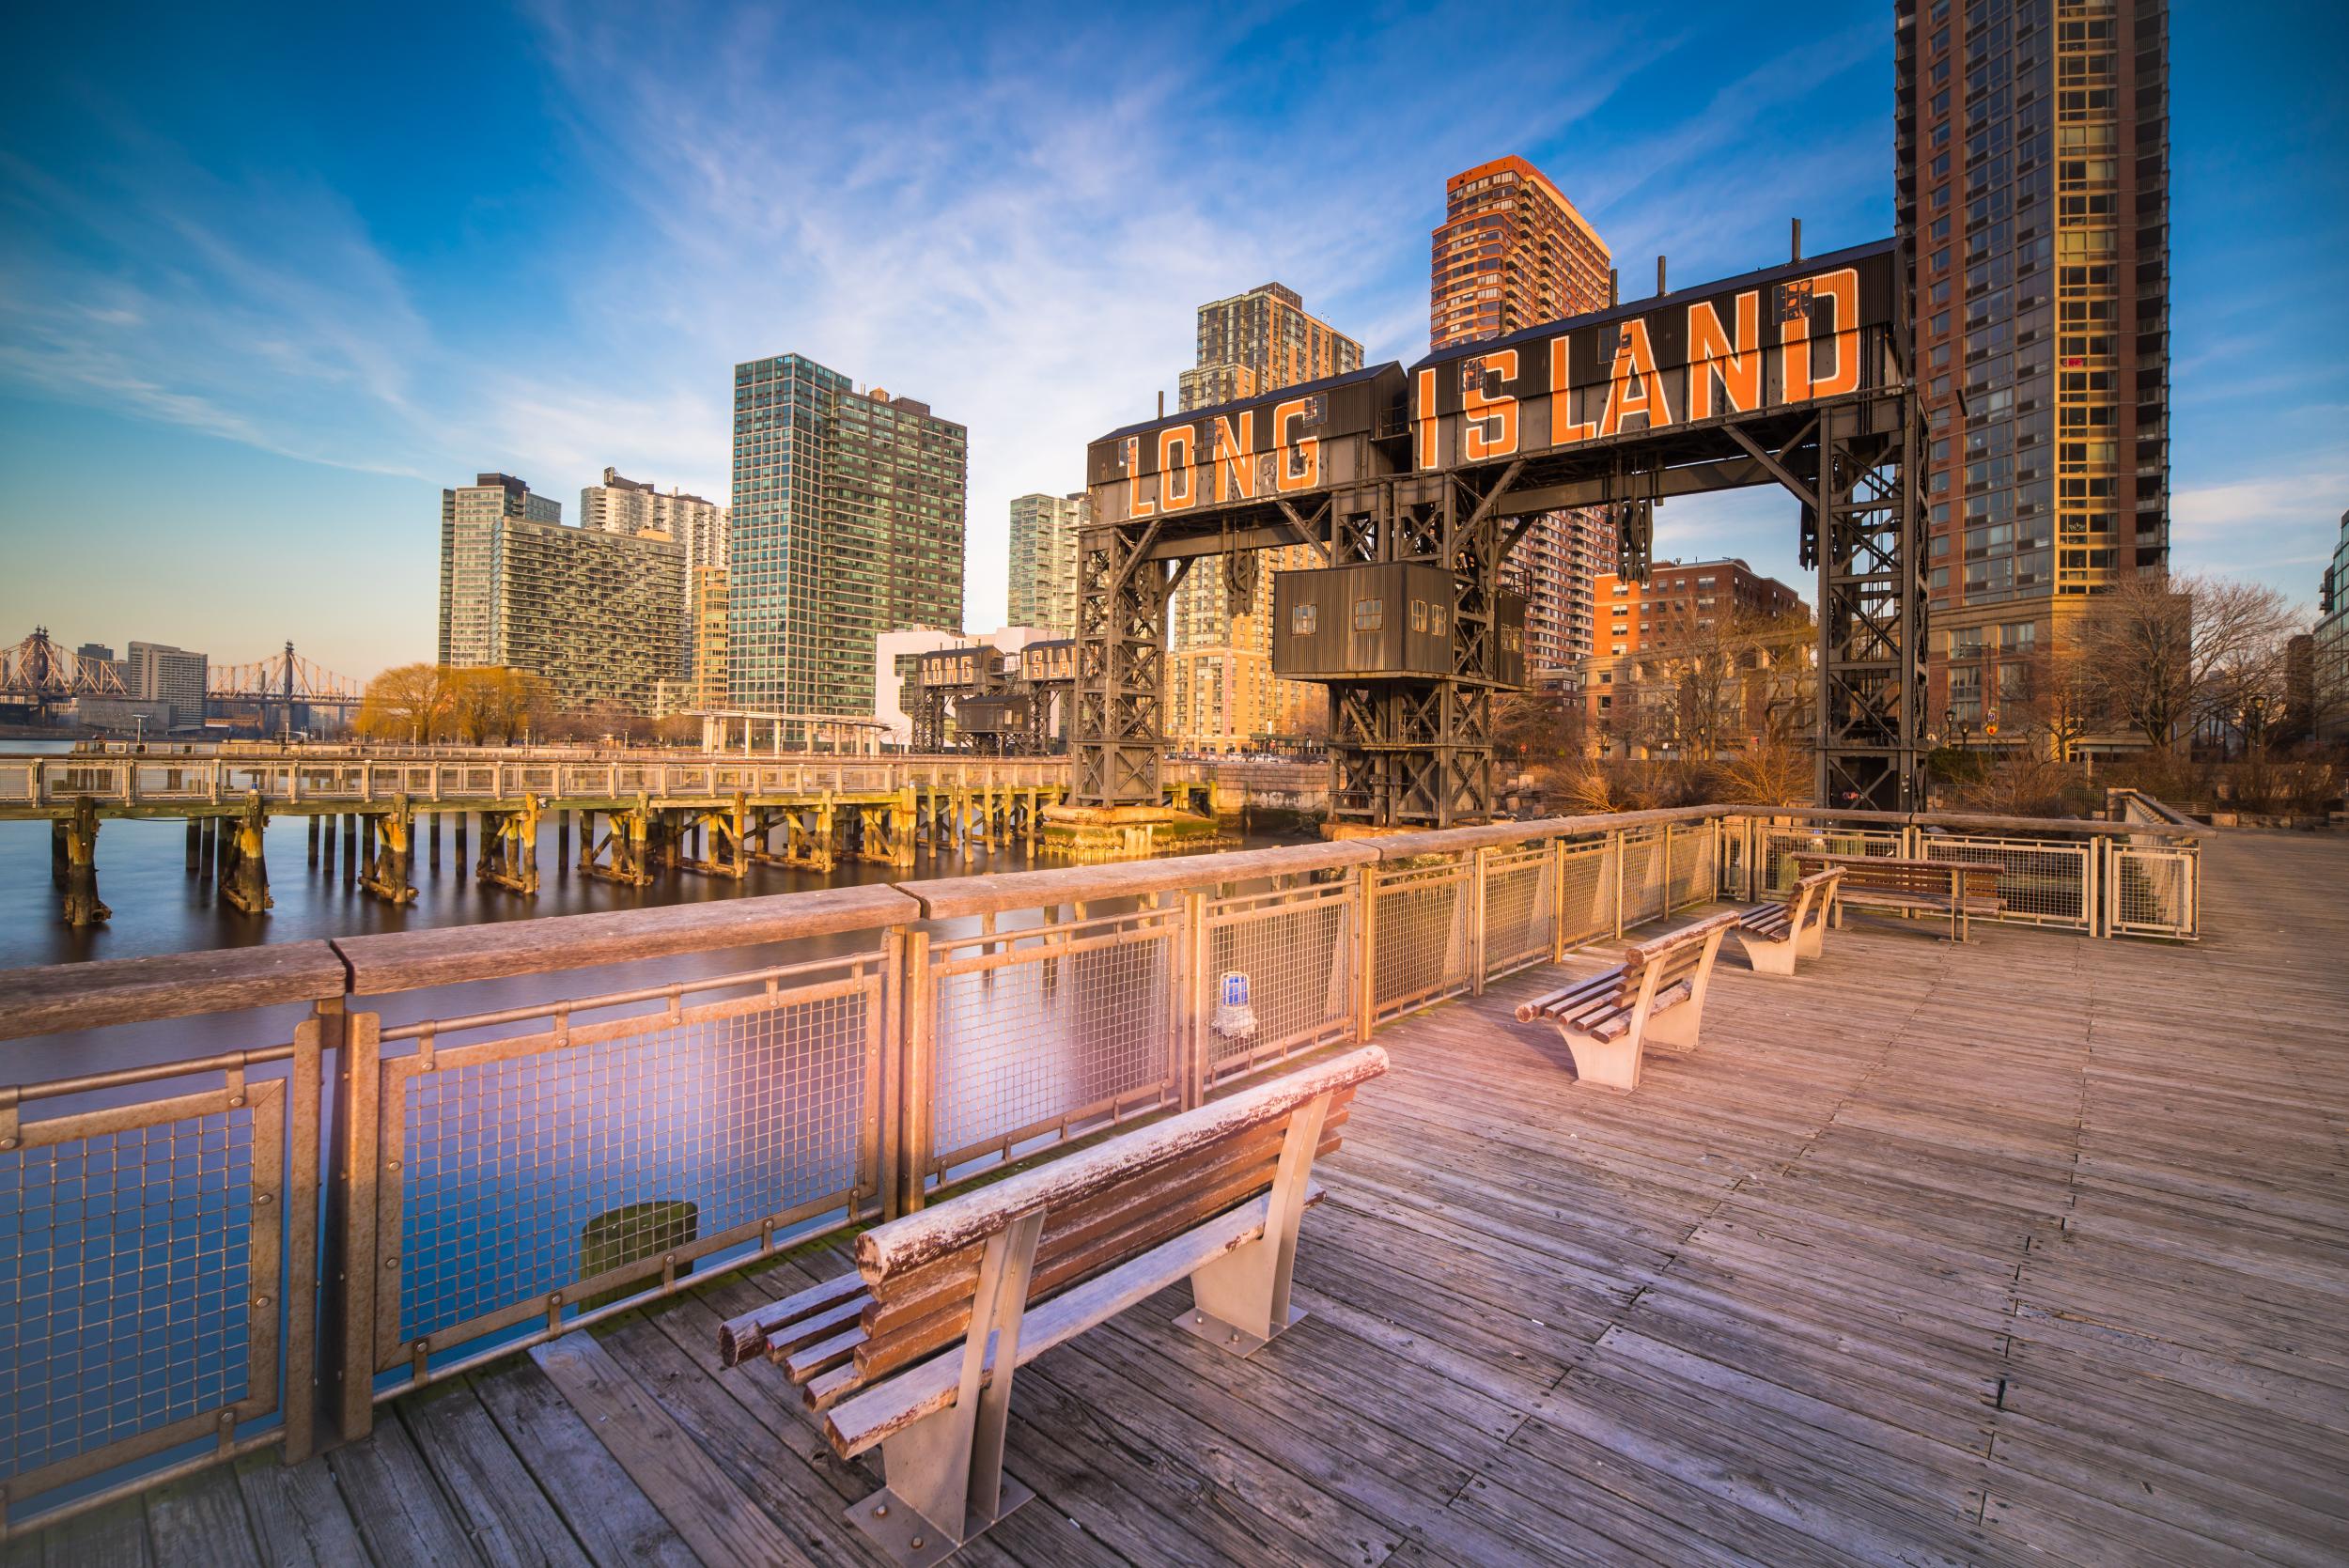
268	282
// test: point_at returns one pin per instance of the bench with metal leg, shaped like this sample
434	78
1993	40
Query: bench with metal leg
915	1352
1775	935
1656	993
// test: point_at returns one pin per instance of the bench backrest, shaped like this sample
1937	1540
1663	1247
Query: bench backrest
1925	877
1100	1207
1659	962
1811	897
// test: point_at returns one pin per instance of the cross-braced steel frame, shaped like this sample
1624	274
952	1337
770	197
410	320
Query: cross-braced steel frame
1418	751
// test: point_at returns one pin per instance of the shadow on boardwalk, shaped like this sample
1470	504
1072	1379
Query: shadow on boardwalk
2036	1248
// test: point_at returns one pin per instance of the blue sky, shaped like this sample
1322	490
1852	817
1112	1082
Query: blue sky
269	280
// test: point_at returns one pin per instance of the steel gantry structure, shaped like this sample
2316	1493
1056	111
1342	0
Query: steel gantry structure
1796	376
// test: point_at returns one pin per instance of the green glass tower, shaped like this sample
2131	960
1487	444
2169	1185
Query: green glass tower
848	513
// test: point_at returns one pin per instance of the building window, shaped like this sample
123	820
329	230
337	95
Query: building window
1419	614
1370	614
1301	619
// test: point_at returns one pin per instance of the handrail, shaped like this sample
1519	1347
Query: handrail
113	991
52	998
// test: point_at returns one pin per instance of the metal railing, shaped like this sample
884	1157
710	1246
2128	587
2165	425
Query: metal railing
48	779
392	1177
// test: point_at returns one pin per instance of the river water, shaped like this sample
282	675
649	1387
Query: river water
160	907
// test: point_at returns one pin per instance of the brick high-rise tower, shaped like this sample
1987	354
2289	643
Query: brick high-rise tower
1511	253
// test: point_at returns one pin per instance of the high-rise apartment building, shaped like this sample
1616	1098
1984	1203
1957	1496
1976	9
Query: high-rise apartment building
469	518
709	637
2328	650
594	612
1512	253
158	673
624	506
849	516
1043	571
2034	177
1261	341
1221	693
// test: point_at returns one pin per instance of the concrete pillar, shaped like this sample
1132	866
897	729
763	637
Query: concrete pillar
210	849
314	841
464	820
351	847
562	832
433	829
195	845
326	841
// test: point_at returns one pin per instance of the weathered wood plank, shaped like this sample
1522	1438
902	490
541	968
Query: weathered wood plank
53	997
721	1525
507	1515
200	1521
409	961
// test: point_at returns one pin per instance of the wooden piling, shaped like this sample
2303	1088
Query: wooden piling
195	845
314	841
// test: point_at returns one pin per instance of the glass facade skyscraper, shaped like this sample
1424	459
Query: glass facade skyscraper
2033	183
849	515
1042	582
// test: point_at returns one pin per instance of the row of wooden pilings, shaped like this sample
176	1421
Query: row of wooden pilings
630	843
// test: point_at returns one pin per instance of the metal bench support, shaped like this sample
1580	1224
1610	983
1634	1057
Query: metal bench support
1241	1301
945	1472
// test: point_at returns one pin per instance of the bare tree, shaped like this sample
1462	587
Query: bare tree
407	702
2167	653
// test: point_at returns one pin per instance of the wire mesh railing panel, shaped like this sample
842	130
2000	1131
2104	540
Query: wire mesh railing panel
139	1281
1518	921
2152	890
1586	908
1280	976
2039	884
1688	869
1645	895
1776	847
1040	1035
602	1153
1418	935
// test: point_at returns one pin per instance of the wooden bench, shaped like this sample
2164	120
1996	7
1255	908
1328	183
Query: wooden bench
1962	890
915	1351
1656	993
1775	935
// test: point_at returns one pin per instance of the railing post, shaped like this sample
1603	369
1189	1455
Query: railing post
350	1328
1192	999
889	1155
299	1395
1558	900
1614	852
2098	870
913	1138
1479	867
1365	949
1668	906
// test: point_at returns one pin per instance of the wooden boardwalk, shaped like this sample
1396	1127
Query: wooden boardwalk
2032	1250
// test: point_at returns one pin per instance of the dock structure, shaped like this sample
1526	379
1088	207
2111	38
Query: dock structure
813	811
2007	1251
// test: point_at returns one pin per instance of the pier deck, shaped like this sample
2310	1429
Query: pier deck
2031	1249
